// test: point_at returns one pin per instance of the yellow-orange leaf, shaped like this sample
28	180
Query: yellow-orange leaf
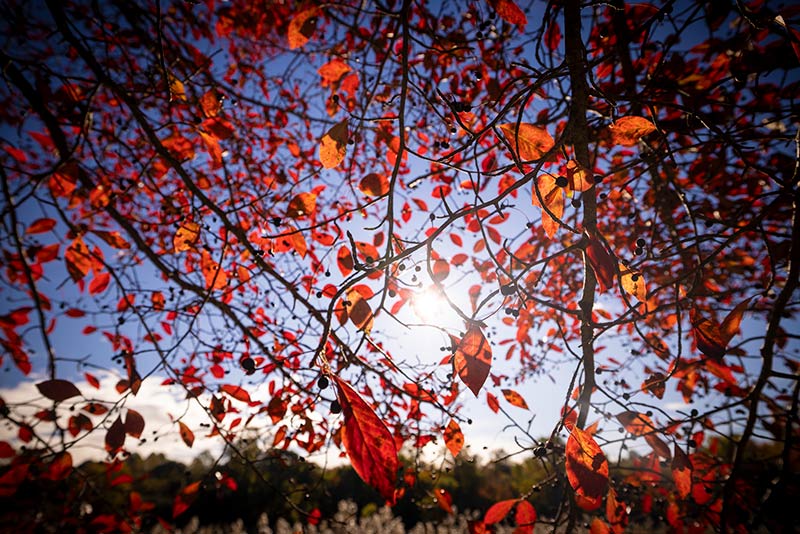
333	145
187	235
530	142
579	178
177	90
214	275
302	27
553	198
626	131
633	282
453	437
302	205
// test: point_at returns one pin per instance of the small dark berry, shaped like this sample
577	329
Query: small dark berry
641	243
335	406
539	452
562	181
508	290
322	383
576	203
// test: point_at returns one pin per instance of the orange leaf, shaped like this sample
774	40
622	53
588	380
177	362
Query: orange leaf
333	145
633	283
40	226
598	526
332	71
655	384
553	198
210	103
626	131
531	143
58	390
215	276
77	258
587	468
302	27
510	12
444	499
491	401
498	511
186	434
453	437
187	235
638	424
658	445
185	498
99	283
579	178
473	359
374	185
302	205
369	444
616	512
441	270
682	472
515	399
359	311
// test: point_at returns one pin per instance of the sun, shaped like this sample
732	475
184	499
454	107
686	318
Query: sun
432	308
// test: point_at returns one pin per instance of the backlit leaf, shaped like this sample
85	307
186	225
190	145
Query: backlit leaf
532	142
332	71
77	258
185	498
440	270
491	401
374	185
186	434
552	197
633	282
453	437
515	399
237	392
187	235
498	511
333	145
57	389
626	131
602	262
473	359
214	275
444	499
301	205
525	518
359	311
682	472
40	226
510	12
302	27
587	468
369	444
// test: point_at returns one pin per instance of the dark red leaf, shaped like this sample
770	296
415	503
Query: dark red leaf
58	390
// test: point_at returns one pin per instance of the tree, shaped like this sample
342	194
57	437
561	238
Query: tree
247	201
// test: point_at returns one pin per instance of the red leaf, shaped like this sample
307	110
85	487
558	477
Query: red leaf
115	436
515	399
236	392
92	380
185	498
440	270
186	434
473	359
498	511
344	260
587	468
453	437
552	37
444	499
134	423
510	12
599	526
602	262
369	444
60	467
616	512
682	472
5	450
525	518
40	226
99	283
491	400
58	390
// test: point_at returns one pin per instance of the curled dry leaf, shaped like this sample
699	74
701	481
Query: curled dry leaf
302	27
333	145
369	444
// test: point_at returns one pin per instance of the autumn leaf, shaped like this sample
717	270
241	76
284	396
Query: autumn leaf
473	359
616	512
333	145
115	436
301	205
498	511
681	472
302	27
374	185
440	270
177	91
237	392
532	142
587	468
552	196
187	235
359	310
655	384
602	262
186	434
40	226
510	12
60	467
444	499
515	399
713	338
185	498
99	283
626	131
77	258
212	271
369	444
492	402
134	424
525	517
453	438
633	282
332	71
598	526
58	390
579	178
